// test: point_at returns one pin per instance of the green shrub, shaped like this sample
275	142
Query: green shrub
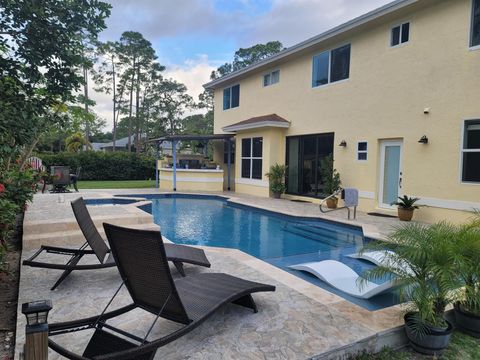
8	213
97	165
19	185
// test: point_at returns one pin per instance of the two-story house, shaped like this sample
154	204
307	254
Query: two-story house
394	95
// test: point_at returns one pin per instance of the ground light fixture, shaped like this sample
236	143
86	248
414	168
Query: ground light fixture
423	140
36	330
343	143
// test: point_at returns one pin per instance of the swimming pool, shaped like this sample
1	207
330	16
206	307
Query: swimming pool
275	238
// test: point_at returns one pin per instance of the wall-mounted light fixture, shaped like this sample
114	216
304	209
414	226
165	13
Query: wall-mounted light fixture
423	140
343	143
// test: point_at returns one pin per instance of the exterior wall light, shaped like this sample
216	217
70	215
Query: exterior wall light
36	339
423	140
343	143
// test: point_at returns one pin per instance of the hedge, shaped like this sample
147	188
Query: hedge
99	165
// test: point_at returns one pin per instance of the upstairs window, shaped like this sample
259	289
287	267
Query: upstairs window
475	36
271	78
252	151
471	152
331	66
362	151
231	97
400	34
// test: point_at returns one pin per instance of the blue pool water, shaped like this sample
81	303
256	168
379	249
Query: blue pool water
278	239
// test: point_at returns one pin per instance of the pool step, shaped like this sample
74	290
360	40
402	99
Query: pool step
325	236
75	238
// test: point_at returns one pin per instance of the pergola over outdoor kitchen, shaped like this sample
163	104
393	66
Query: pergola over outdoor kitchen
205	139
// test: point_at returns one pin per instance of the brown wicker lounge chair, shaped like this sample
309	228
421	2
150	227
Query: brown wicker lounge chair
143	267
178	254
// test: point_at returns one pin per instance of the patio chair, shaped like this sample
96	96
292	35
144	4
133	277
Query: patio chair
176	253
74	178
143	267
61	180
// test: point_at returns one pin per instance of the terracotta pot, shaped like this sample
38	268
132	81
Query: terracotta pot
276	195
466	321
332	203
405	214
434	342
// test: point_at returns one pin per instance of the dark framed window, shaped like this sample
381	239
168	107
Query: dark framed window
471	152
331	66
362	151
232	152
400	34
475	31
231	97
252	158
304	163
271	78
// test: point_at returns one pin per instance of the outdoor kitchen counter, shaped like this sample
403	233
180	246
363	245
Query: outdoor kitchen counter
191	179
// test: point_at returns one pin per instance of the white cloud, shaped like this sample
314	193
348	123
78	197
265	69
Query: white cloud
193	73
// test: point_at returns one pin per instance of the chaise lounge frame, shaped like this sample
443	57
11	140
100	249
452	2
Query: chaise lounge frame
143	266
95	245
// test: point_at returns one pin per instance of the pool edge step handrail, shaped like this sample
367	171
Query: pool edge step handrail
335	194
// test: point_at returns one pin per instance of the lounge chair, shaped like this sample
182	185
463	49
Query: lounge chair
178	254
383	258
141	260
343	278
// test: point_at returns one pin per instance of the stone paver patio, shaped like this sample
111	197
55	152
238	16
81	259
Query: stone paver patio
298	321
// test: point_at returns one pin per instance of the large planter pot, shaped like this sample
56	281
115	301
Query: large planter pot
332	203
276	195
466	321
434	342
405	214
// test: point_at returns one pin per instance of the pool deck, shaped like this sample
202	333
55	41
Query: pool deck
298	321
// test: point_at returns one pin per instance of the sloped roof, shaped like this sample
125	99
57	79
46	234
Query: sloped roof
271	120
315	41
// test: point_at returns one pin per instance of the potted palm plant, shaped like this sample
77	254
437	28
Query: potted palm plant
276	179
465	256
406	207
415	259
331	180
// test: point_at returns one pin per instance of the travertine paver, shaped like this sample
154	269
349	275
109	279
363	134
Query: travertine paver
298	321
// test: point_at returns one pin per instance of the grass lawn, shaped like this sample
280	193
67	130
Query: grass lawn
116	184
461	347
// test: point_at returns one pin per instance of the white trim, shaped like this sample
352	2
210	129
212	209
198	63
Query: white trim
189	179
383	144
400	39
329	51
252	182
270	73
449	204
470	35
462	151
336	31
256	125
193	170
366	194
230	87
361	152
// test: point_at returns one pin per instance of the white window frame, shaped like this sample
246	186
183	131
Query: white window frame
230	87
362	151
330	66
463	151
409	34
475	47
270	73
251	158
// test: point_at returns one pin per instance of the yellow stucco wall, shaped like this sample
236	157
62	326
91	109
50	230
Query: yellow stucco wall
384	98
201	180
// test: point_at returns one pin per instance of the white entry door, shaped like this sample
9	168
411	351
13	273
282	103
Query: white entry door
390	172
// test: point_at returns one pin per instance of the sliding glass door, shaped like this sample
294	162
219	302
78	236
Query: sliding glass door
304	156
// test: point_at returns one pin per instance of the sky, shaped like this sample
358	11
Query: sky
194	37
